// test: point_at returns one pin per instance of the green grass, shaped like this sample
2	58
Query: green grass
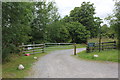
63	47
33	51
9	70
108	55
80	45
96	40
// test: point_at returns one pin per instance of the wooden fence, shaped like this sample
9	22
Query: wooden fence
32	48
91	47
40	48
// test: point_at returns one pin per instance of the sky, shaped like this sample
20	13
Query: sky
103	8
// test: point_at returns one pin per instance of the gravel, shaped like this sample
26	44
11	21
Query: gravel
60	64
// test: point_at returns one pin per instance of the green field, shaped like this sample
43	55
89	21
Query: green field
108	55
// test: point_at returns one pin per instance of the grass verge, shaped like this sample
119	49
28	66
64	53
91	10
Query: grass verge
111	55
9	70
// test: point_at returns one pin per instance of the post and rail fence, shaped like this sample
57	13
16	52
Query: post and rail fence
32	48
40	48
91	47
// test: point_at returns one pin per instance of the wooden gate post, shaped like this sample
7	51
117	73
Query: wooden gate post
102	46
33	47
43	51
21	49
75	49
114	45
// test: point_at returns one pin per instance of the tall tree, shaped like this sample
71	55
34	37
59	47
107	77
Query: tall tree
45	14
117	23
85	15
39	22
78	32
97	27
57	32
114	21
16	20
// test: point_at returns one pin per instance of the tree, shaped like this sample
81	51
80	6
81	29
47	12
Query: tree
57	32
108	32
39	22
114	21
78	32
44	14
117	23
104	30
15	26
24	22
85	16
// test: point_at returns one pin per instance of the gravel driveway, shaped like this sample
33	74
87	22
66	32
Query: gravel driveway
60	64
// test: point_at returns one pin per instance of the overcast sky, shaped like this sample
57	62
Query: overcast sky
103	7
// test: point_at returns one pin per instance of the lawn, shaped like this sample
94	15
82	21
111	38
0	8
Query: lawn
108	55
9	70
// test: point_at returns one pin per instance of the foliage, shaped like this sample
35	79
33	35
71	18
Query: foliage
39	23
44	15
97	25
57	32
78	32
107	32
114	21
15	29
85	16
117	28
28	27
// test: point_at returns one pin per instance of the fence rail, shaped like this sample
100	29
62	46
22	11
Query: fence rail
32	48
59	43
40	48
91	47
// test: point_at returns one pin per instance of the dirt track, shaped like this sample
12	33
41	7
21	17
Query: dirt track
60	64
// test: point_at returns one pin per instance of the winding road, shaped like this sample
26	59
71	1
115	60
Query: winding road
60	64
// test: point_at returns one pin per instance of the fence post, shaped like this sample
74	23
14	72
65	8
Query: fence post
22	48
75	49
33	47
87	49
114	45
102	46
43	48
